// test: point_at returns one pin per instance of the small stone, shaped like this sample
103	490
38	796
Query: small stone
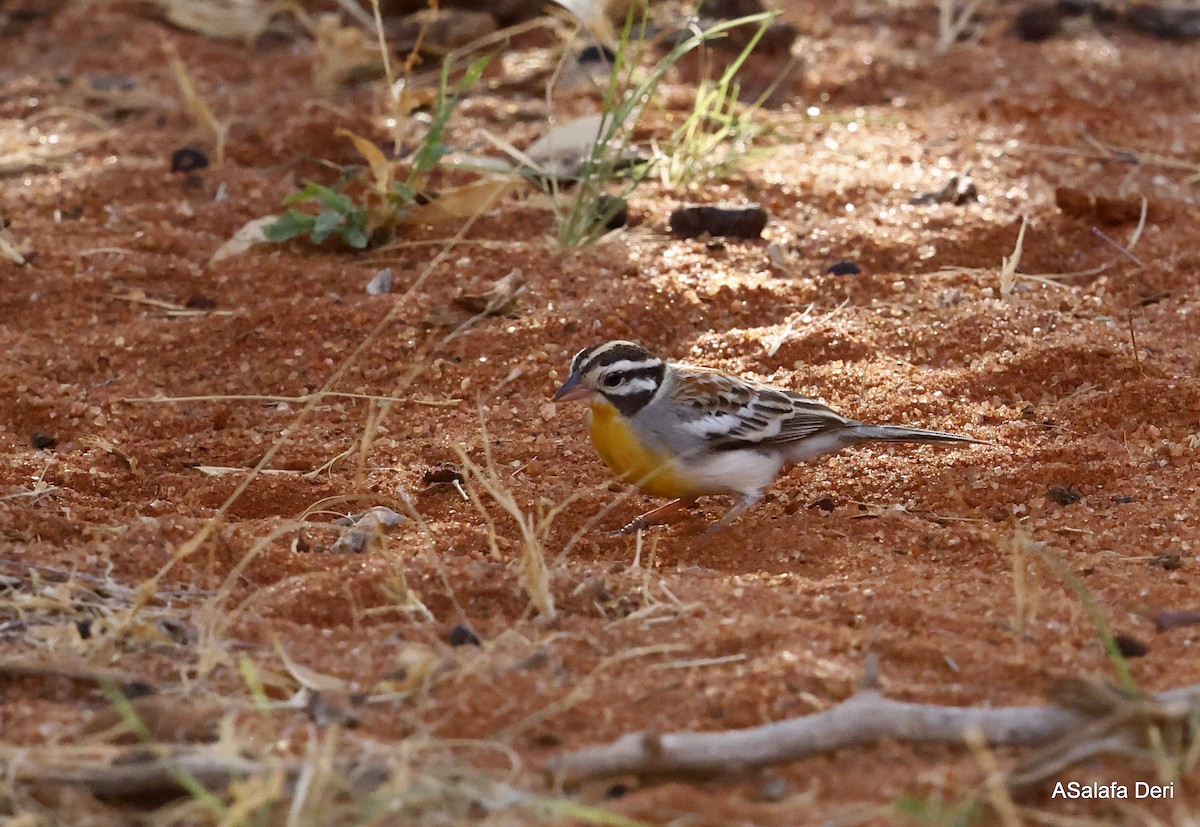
188	159
380	283
1167	620
463	636
843	268
1038	21
774	788
137	689
42	441
1169	561
1064	495
1167	22
778	257
1130	646
443	475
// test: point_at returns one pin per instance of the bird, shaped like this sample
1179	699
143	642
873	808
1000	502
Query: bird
683	431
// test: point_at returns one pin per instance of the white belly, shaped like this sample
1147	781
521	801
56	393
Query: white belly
745	472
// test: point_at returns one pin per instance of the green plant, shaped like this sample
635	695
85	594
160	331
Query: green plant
719	128
338	215
583	219
383	202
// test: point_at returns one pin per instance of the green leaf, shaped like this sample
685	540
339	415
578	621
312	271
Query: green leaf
474	73
326	224
354	234
291	224
432	149
306	193
402	194
333	200
327	197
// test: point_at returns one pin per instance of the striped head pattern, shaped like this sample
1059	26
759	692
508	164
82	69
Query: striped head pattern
624	374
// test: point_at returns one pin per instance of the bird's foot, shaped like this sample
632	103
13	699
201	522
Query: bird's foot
655	516
632	527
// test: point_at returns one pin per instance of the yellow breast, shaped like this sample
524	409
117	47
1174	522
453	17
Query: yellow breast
652	471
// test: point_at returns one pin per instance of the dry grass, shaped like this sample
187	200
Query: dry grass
954	19
201	112
1009	264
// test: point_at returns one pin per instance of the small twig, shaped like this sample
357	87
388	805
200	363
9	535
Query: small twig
1009	264
1137	360
1120	247
299	400
779	338
154	777
953	21
695	662
865	718
1137	231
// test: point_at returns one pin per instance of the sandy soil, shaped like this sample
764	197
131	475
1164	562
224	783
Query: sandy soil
1084	378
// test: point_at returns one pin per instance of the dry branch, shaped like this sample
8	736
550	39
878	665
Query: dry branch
865	718
152	777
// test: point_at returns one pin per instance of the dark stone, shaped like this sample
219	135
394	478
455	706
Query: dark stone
843	268
188	159
719	220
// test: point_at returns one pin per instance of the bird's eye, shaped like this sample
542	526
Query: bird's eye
612	380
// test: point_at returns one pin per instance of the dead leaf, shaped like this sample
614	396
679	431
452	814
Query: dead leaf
498	300
381	168
251	233
310	678
467	201
594	15
109	448
12	249
406	100
226	471
563	151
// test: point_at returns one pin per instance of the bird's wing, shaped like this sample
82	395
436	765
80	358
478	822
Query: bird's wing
730	412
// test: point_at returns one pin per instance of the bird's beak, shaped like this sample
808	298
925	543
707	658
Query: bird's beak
572	389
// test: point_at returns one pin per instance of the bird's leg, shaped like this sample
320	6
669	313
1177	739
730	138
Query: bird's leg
655	516
732	514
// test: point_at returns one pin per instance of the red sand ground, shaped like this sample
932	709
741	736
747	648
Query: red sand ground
915	560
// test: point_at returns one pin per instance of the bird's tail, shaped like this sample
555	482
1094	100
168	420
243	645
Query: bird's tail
895	433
